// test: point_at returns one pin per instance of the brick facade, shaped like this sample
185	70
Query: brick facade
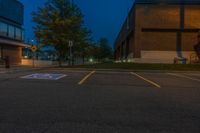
171	28
13	52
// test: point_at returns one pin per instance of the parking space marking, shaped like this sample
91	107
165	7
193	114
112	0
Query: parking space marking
193	74
183	76
147	80
86	77
2	72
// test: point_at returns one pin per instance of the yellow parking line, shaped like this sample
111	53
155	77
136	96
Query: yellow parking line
183	76
86	77
147	80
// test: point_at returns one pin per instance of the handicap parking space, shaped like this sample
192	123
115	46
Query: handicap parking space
45	76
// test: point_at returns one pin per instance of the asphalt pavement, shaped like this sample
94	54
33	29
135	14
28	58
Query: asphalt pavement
93	101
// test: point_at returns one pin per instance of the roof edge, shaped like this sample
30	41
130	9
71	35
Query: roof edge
13	43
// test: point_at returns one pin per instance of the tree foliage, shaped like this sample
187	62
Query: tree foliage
105	51
100	51
58	22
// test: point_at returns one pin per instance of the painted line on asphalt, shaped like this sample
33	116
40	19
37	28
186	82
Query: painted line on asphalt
2	72
147	80
183	76
86	77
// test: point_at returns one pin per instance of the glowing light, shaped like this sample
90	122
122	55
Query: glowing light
91	60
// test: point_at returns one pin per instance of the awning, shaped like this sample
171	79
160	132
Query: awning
13	43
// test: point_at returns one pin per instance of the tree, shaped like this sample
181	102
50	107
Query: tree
58	22
82	49
105	51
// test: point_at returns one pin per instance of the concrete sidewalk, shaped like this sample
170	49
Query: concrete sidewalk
18	68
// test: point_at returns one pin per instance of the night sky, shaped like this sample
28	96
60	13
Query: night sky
103	17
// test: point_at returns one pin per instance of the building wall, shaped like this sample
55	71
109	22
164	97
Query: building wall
165	17
157	29
156	17
12	10
38	63
161	56
192	21
192	18
14	53
126	38
11	29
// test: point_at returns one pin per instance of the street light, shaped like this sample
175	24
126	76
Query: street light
91	60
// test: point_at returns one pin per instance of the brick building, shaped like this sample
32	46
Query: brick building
157	31
11	30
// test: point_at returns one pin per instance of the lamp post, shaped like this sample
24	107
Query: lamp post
33	53
70	45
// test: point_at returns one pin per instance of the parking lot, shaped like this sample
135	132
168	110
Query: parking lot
94	101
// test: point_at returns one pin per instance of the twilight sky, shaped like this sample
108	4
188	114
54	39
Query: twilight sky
103	17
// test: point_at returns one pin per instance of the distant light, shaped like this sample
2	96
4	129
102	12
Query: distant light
91	60
25	57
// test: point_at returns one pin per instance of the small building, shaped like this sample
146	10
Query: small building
158	31
11	30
